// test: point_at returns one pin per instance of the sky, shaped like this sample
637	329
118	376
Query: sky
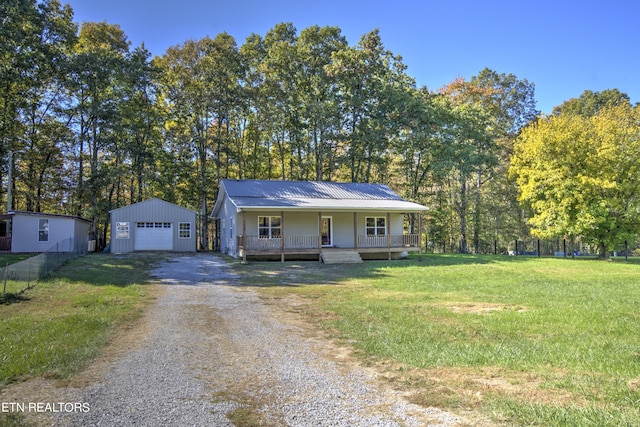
563	47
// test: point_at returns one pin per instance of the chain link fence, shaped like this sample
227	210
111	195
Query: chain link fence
39	266
566	248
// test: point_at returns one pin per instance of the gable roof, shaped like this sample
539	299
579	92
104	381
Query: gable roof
311	195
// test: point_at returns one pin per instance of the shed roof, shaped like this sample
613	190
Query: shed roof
307	195
11	214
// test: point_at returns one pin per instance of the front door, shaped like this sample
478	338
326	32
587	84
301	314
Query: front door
326	231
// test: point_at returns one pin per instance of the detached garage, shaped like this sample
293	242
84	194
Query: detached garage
153	225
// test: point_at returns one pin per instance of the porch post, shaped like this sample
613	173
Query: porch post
281	236
355	230
389	234
319	236
244	237
420	236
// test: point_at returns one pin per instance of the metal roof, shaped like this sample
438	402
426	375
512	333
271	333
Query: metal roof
11	214
307	195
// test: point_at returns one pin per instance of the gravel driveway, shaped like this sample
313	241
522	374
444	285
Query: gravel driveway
213	350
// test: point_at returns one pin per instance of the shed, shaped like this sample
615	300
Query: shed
153	225
43	232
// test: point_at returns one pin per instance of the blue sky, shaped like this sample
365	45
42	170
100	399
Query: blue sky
564	47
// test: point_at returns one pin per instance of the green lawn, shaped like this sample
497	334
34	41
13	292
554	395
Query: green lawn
57	327
526	341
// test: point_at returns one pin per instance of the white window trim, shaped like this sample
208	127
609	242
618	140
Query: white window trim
120	232
41	229
375	227
270	227
180	230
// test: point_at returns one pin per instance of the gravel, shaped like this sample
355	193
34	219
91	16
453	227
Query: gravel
215	349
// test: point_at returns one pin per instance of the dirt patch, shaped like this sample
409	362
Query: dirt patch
469	388
482	307
634	384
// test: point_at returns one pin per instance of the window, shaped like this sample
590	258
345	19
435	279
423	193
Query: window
43	230
153	225
184	230
376	226
269	227
122	230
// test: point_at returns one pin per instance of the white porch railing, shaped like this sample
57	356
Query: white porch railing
311	242
395	241
275	243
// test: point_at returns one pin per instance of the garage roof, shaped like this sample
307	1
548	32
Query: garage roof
307	195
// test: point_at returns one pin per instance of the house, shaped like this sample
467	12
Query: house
256	218
43	232
153	225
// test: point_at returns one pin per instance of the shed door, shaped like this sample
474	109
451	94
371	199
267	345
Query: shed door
153	236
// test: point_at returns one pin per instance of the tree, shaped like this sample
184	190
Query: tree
590	103
580	177
199	87
492	108
95	92
319	98
36	38
372	87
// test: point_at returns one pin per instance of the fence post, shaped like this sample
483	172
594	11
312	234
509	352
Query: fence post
516	247
626	251
538	248
6	270
564	247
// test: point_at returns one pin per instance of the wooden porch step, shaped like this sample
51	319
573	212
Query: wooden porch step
338	256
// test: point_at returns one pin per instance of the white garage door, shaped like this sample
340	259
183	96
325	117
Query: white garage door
153	236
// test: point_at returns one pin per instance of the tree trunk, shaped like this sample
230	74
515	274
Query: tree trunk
462	213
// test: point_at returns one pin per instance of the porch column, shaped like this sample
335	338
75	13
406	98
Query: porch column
420	236
389	234
355	231
281	236
244	237
319	236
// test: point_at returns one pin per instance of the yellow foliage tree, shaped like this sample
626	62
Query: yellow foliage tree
579	175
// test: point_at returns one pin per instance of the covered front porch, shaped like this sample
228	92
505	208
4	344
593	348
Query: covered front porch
288	233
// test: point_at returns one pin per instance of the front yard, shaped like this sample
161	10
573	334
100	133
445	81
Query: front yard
523	341
520	341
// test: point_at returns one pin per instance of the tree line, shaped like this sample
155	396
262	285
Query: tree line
89	123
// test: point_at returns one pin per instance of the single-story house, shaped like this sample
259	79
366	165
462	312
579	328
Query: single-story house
43	232
258	218
153	225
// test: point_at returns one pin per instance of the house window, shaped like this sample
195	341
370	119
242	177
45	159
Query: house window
43	230
122	230
184	230
269	227
376	226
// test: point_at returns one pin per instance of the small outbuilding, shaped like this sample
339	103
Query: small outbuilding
36	232
153	225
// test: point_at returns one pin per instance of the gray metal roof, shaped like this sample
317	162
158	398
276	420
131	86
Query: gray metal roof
256	194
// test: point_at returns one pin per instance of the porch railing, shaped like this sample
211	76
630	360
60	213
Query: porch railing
311	242
396	241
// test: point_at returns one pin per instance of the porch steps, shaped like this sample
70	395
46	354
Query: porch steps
340	256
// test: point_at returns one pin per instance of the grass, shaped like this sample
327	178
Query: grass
57	327
10	291
549	342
